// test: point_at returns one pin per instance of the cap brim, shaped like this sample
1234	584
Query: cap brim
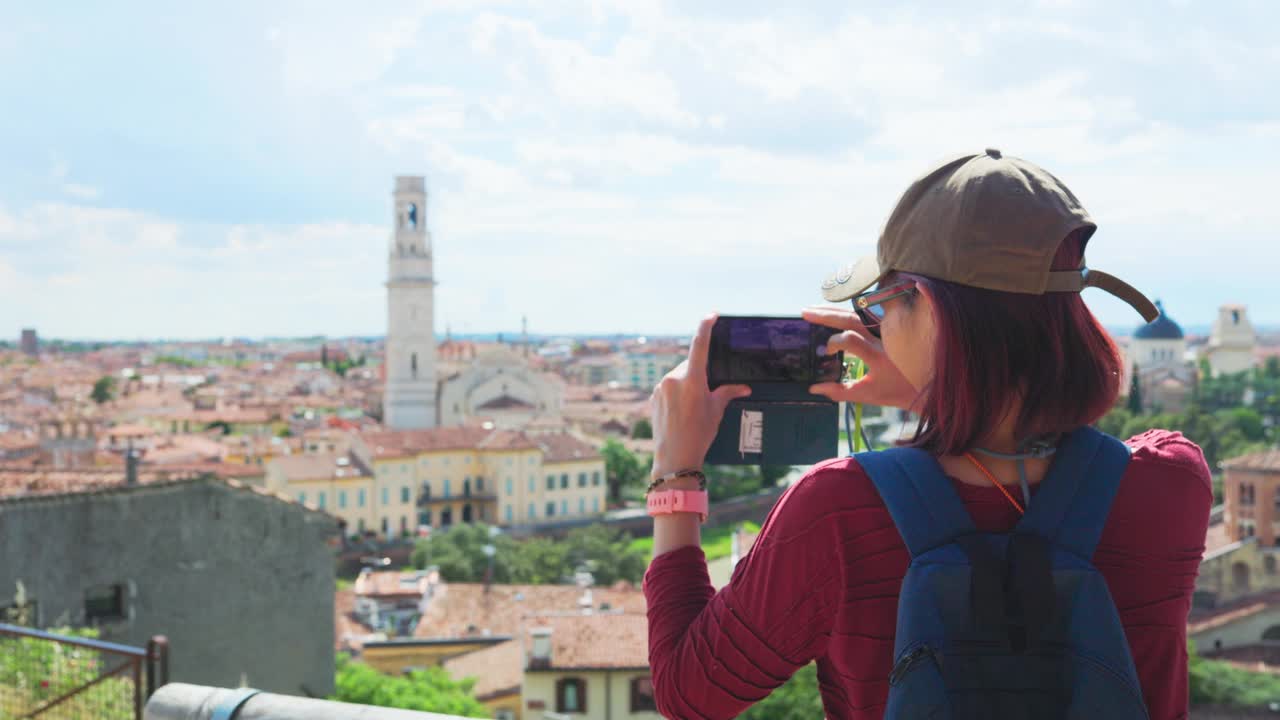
851	279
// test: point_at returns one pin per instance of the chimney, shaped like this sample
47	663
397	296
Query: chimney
131	465
540	654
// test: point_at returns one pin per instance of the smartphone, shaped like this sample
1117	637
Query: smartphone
756	349
781	423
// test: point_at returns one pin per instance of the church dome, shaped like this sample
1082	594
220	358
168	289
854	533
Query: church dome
1162	328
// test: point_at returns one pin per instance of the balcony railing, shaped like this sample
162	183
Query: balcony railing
180	701
54	676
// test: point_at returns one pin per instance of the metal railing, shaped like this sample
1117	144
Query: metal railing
56	677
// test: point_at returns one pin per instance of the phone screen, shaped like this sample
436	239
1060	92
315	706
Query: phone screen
771	349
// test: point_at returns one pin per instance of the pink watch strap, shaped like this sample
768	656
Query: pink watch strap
674	501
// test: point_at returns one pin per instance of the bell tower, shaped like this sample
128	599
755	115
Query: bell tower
409	401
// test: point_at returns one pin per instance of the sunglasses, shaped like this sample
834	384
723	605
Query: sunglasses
870	305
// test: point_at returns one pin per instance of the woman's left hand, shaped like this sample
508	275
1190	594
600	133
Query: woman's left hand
686	413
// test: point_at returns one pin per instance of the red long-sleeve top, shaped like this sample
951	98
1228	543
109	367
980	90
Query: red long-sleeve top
822	581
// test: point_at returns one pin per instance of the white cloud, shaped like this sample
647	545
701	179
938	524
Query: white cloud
83	192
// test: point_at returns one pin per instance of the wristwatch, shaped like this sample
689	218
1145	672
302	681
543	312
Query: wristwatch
667	502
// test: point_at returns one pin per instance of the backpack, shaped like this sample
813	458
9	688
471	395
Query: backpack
1008	625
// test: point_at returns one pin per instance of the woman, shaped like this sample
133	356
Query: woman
970	316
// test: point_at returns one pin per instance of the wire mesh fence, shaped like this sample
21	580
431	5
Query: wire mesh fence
70	674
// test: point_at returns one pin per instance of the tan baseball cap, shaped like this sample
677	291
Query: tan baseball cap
988	221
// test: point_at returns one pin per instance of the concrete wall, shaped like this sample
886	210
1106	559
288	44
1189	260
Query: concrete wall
240	583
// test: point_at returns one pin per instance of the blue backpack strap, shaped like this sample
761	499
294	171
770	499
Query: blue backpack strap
921	500
1075	496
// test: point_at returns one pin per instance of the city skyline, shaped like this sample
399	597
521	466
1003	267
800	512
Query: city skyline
192	173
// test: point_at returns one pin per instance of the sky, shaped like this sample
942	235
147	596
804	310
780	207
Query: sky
194	170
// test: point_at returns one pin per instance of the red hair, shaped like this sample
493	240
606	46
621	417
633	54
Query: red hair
992	347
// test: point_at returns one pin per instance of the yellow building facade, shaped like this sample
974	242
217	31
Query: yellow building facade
521	480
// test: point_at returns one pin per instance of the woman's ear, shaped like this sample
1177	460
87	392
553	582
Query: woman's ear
923	310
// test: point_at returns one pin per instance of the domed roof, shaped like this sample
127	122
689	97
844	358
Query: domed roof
1162	328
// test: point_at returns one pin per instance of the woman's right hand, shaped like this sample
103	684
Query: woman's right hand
883	384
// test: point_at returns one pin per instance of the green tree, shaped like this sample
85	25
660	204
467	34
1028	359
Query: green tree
1113	423
540	561
459	553
796	699
771	475
622	468
429	690
642	430
1135	393
729	481
607	553
103	389
221	425
1218	683
1271	369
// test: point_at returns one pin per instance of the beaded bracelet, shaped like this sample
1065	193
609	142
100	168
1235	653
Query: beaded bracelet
687	472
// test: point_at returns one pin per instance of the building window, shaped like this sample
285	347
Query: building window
595	478
504	715
582	479
508	462
533	511
564	507
510	485
582	506
1246	494
551	509
532	483
302	497
404	495
342	498
104	602
386	524
466	487
571	695
595	504
447	491
1269	563
479	483
564	481
551	482
360	498
507	512
404	524
413	364
386	496
404	469
642	695
320	504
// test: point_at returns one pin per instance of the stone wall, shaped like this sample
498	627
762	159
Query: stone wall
240	582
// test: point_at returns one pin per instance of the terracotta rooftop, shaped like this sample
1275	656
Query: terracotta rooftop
1216	537
403	443
391	583
498	670
463	609
1264	460
349	633
563	447
602	641
317	466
